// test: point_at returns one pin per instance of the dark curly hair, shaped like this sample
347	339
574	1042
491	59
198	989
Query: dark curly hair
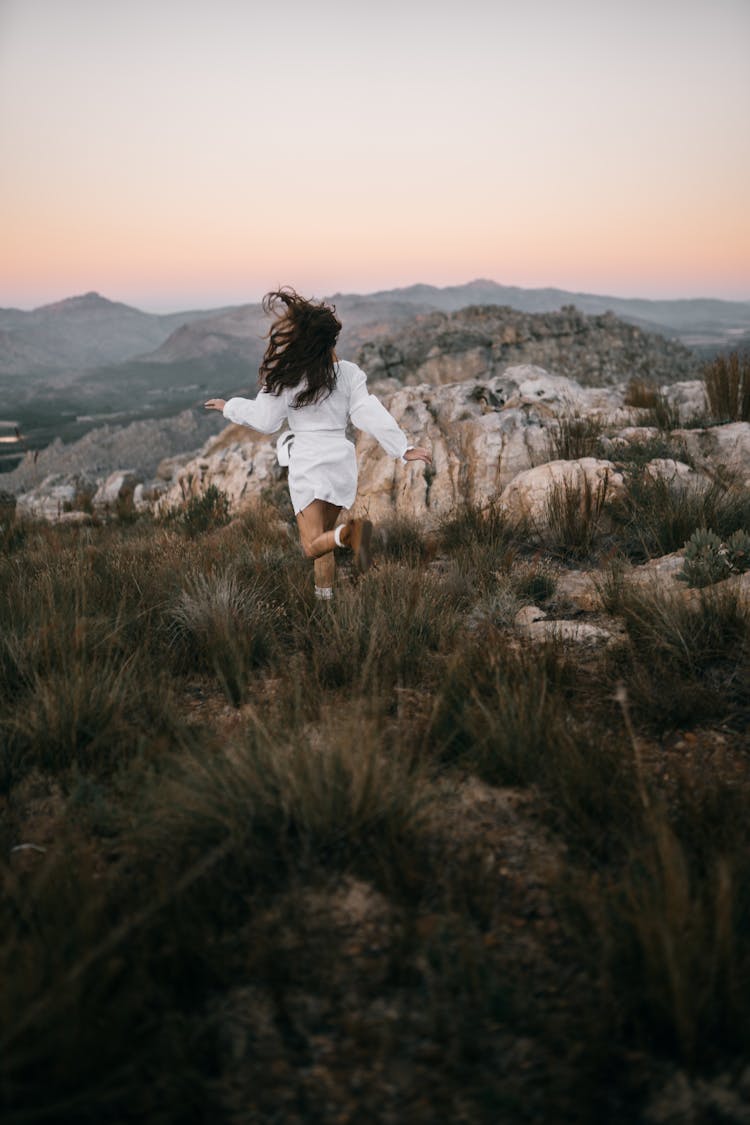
300	346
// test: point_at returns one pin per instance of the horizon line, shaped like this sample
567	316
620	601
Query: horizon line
238	302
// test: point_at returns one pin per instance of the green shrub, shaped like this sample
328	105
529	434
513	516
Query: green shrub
654	517
705	560
738	551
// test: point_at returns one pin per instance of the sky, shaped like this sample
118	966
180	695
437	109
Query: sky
181	154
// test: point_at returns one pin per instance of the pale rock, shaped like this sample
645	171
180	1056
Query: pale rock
55	495
675	473
116	490
688	395
74	517
632	435
572	632
145	495
527	614
579	588
527	496
168	467
241	470
727	446
659	574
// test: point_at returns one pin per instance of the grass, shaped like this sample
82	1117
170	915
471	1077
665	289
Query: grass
575	516
727	386
371	859
659	409
656	517
575	436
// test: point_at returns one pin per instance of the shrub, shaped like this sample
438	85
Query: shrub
727	387
670	937
573	437
221	626
705	560
380	633
94	714
333	793
654	517
686	661
574	516
664	414
401	539
738	551
641	394
202	513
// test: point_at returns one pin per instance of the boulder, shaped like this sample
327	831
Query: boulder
116	491
56	494
537	626
725	446
526	498
676	474
241	469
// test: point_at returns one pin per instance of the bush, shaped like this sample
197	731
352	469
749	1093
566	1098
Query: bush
686	661
574	516
202	513
221	626
727	386
573	437
705	560
654	517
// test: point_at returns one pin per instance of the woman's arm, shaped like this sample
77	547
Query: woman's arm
265	412
368	414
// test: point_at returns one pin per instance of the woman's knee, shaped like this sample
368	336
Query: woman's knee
307	549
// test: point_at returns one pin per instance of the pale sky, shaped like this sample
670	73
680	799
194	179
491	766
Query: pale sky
186	153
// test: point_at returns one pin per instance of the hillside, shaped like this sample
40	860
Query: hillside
431	347
467	843
480	341
88	331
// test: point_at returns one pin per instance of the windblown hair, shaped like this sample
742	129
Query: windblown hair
300	346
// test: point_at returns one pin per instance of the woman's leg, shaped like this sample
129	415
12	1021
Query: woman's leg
316	523
318	540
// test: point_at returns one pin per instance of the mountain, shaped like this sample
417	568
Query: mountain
82	332
88	331
683	317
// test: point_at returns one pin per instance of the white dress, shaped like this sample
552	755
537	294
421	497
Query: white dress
322	462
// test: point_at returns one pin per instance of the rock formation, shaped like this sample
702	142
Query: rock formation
481	341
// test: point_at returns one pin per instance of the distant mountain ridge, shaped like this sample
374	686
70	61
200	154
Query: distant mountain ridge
88	331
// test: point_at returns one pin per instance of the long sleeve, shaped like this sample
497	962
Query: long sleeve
368	414
265	412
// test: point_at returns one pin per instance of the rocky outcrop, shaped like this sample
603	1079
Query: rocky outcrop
56	495
481	341
496	440
115	492
107	448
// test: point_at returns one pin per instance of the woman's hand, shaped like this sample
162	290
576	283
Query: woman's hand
417	453
215	404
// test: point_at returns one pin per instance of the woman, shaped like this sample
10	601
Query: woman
303	382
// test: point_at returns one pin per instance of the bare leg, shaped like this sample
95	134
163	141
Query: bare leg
318	540
316	523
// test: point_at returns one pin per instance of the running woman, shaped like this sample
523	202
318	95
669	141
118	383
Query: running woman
302	382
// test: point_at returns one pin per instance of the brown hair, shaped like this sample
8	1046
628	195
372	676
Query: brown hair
300	346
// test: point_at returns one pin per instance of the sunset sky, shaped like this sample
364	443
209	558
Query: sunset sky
193	153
